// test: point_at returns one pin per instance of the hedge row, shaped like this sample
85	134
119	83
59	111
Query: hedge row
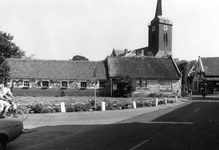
89	106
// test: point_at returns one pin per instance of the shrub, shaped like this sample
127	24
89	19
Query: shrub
47	110
79	107
70	108
37	108
57	109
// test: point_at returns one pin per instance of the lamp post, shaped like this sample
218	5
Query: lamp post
94	87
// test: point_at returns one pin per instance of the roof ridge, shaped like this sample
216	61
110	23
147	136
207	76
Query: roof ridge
53	60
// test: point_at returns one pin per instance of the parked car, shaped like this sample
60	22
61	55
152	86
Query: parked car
10	129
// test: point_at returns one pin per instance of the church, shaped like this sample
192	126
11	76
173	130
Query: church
151	69
159	38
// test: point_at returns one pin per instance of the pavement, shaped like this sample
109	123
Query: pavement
91	118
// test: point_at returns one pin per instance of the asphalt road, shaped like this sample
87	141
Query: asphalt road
193	126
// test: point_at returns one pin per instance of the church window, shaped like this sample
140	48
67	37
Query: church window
153	38
165	39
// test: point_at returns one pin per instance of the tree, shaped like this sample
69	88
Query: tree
183	66
81	58
125	85
8	49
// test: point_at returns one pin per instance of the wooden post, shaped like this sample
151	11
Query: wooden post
156	102
63	110
165	100
175	98
103	106
134	104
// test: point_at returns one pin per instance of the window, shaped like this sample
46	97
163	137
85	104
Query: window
165	39
102	84
83	84
45	83
195	85
153	38
64	84
137	82
26	83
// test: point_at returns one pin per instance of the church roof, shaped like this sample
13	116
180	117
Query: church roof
143	67
56	69
210	65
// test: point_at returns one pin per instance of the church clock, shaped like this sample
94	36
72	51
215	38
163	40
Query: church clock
165	27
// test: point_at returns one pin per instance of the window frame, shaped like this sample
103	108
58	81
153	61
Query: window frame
64	82
25	84
82	83
102	84
44	81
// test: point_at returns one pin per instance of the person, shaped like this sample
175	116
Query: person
203	91
190	92
5	96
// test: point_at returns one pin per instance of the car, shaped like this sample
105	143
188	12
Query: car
10	129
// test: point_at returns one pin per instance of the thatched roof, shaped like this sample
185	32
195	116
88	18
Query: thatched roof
55	69
135	67
143	67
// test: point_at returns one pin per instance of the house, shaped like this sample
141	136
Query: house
149	74
206	75
51	77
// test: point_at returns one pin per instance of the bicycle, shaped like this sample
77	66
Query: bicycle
20	113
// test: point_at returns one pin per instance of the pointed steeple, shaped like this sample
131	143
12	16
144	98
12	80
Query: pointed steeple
159	8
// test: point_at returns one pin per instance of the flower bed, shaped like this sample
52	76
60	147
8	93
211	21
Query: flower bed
72	105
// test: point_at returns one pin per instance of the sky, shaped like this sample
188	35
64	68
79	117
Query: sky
61	29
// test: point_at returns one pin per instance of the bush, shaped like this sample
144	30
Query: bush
70	108
47	110
37	108
57	109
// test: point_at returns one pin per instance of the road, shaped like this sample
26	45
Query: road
193	126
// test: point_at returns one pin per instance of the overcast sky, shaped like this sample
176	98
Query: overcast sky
60	29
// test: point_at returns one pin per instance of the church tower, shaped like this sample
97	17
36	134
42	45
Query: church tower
160	34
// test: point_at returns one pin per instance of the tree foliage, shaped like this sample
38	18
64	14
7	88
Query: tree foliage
81	58
8	49
125	85
183	66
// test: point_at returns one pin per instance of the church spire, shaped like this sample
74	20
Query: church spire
159	8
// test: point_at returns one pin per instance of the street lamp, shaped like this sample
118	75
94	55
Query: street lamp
95	74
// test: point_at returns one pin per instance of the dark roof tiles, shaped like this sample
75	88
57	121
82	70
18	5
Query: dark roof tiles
211	65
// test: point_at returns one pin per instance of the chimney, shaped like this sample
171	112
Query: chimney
125	51
142	52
